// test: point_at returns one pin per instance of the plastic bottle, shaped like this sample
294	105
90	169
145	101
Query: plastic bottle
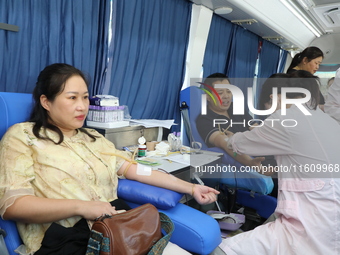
141	150
172	141
178	141
141	147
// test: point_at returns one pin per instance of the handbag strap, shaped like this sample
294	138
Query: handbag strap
94	245
168	226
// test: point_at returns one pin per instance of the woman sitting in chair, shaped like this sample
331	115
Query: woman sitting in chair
53	170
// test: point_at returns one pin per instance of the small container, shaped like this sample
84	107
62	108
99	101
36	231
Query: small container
231	222
141	147
141	150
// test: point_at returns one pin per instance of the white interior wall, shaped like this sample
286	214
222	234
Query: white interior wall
199	31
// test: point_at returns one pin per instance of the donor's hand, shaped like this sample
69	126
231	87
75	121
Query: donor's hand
204	194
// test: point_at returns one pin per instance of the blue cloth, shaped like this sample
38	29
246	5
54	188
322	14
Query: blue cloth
149	57
243	58
71	32
218	46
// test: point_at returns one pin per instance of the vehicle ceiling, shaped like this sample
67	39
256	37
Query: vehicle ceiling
276	23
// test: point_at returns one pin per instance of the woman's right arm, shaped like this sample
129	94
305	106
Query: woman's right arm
32	209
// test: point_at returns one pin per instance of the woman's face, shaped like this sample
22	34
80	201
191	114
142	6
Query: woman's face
69	109
313	65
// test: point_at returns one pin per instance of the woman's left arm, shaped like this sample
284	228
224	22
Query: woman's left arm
202	194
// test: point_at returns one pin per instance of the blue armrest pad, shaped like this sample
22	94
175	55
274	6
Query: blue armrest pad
194	231
12	240
252	181
142	193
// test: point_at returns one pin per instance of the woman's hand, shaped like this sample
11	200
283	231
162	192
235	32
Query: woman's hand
92	210
204	194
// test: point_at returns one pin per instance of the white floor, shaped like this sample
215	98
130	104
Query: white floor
217	251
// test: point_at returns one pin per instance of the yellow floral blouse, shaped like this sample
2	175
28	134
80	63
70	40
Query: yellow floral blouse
75	169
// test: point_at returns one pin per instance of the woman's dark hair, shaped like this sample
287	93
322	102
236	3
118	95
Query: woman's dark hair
51	82
306	80
310	53
278	81
215	77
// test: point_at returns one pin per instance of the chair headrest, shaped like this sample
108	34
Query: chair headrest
192	97
14	108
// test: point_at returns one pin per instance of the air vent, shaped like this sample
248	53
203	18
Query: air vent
329	15
242	22
332	15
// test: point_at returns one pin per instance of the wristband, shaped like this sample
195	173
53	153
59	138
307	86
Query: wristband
192	190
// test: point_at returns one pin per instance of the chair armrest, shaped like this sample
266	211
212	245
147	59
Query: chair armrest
263	204
141	193
248	180
194	231
12	239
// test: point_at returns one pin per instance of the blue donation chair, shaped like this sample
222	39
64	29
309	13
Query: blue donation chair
252	187
194	231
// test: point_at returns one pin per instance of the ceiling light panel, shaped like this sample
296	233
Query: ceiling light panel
302	17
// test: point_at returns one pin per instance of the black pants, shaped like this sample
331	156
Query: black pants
59	240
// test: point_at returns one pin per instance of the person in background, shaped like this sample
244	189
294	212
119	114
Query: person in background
214	136
54	171
309	60
330	82
308	200
332	106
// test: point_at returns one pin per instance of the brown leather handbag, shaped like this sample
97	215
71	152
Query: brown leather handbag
134	232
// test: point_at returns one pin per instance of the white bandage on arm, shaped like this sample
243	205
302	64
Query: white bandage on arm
229	145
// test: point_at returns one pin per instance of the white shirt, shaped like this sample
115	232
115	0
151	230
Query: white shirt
308	207
332	105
